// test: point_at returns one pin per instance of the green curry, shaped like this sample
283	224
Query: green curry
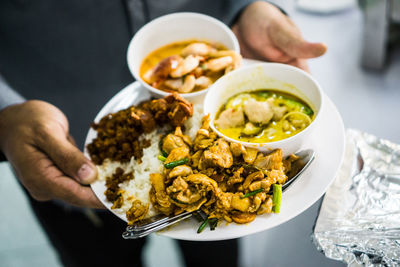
263	116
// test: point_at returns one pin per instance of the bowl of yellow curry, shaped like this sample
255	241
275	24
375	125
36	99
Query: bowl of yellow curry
265	106
184	53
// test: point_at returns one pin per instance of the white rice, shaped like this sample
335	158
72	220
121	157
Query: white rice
193	124
139	187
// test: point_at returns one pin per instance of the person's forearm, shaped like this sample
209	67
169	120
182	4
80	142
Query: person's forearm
7	97
235	9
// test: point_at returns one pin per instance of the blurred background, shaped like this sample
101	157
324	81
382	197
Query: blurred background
360	73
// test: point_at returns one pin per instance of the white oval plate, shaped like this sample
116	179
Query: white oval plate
327	140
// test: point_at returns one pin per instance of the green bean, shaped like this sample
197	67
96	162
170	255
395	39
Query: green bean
213	223
173	164
198	217
276	197
252	193
164	154
202	226
161	157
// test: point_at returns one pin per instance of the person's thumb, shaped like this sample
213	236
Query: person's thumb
303	49
68	158
287	37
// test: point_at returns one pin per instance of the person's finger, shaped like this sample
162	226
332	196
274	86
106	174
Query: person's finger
71	139
275	55
269	53
286	36
68	158
45	181
76	194
30	165
245	50
304	49
300	63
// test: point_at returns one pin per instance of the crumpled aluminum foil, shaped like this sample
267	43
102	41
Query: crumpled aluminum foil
359	219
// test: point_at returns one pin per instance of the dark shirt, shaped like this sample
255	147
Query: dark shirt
72	53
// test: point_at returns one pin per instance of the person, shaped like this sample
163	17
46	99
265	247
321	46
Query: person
72	54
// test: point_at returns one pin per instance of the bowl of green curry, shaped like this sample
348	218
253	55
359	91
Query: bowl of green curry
266	106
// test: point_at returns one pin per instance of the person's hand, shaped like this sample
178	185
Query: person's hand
265	33
34	137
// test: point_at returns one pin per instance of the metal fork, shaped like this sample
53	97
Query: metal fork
134	231
160	222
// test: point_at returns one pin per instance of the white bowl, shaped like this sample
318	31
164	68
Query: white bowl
173	28
275	76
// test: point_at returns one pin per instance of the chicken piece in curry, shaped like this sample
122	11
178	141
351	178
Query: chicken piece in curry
188	66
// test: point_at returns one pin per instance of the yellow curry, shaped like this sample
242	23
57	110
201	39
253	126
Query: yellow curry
187	66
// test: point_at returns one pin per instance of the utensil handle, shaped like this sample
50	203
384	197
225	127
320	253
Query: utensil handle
131	233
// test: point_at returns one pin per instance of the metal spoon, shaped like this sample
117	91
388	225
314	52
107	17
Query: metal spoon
159	222
299	166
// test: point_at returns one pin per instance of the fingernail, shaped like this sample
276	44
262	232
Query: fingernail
86	173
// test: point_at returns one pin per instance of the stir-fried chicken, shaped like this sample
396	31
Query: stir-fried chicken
218	155
178	154
271	161
227	181
158	195
182	170
237	149
179	109
240	203
137	211
243	217
171	141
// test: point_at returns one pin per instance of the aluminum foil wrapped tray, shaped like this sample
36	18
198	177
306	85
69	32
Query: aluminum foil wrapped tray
359	220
